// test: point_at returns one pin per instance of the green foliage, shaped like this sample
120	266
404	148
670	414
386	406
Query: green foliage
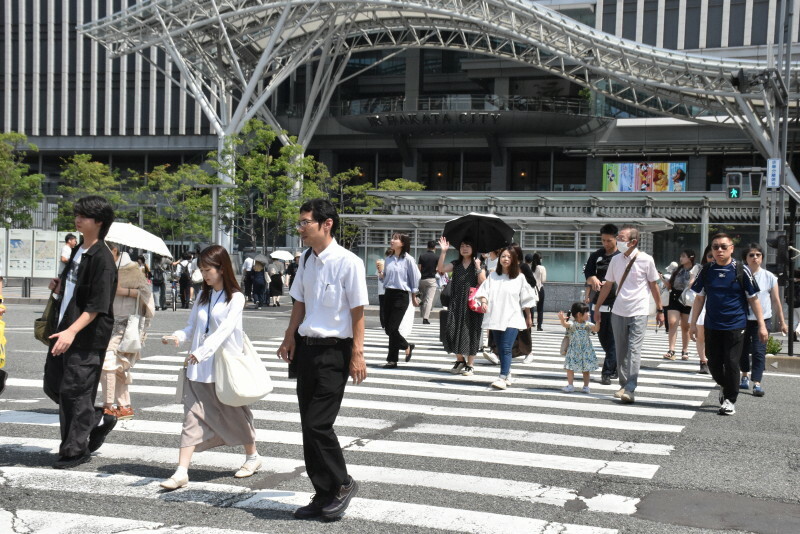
773	345
81	177
20	191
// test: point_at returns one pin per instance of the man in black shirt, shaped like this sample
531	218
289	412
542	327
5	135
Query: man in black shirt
83	325
595	272
427	283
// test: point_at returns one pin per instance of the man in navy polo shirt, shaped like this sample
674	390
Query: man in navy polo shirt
726	297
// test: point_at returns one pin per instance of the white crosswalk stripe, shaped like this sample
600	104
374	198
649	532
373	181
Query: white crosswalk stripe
402	428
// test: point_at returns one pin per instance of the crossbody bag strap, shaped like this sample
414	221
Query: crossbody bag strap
625	274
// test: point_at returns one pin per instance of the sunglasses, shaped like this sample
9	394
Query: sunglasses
754	255
723	247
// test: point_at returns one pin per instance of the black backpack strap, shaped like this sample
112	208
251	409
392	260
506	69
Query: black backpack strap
306	256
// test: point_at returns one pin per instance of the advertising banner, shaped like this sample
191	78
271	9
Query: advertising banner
645	176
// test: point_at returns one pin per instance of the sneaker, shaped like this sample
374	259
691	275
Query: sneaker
614	376
312	509
425	321
758	391
491	357
605	380
99	433
528	358
618	393
341	500
627	397
586	389
703	368
745	383
727	408
500	383
569	388
468	371
456	370
68	462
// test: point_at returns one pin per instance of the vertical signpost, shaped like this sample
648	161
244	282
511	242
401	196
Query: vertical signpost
774	173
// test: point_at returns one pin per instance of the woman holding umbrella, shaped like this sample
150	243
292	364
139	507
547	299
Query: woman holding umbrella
463	329
400	277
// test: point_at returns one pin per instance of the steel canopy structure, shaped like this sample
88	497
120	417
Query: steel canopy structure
233	54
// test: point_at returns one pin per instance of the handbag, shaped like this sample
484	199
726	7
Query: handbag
42	328
197	276
472	302
132	338
444	296
687	297
179	385
564	345
241	379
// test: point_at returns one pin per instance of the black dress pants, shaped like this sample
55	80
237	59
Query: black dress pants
395	304
322	373
184	285
71	381
606	337
723	351
540	308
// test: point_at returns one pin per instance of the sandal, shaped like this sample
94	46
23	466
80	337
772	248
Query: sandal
684	355
669	355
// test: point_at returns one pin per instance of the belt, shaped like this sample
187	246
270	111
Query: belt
310	341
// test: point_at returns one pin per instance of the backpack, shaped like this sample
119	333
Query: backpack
158	275
185	276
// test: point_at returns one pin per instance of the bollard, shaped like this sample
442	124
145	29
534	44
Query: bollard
26	287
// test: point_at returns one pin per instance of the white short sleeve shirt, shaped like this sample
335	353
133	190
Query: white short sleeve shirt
633	298
330	285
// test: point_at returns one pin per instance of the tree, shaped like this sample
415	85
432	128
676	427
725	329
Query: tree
81	177
20	191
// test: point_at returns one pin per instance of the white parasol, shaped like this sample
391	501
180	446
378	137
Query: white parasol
282	255
132	236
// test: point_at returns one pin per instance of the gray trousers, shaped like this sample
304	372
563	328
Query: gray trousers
628	338
427	291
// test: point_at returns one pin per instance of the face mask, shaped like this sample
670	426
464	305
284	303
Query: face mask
622	246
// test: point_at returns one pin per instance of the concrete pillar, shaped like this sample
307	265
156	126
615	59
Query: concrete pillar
705	211
499	178
594	173
411	172
696	169
413	78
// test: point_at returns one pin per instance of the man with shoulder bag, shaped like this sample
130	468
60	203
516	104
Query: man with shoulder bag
324	343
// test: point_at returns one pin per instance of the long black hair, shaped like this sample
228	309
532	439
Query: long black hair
689	254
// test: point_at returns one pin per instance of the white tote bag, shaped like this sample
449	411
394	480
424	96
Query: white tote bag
408	319
132	338
241	379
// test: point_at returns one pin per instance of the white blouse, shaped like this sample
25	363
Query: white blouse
224	330
505	298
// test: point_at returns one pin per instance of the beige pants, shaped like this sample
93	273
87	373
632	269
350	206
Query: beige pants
115	390
427	292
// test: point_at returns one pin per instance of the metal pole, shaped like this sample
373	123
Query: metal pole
214	214
785	115
791	236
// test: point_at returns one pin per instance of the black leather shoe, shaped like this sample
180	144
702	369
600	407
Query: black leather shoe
312	509
605	380
410	350
68	462
390	365
99	433
425	321
340	501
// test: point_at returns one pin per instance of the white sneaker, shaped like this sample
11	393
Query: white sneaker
528	358
569	388
249	468
491	357
727	408
618	394
500	383
586	389
468	371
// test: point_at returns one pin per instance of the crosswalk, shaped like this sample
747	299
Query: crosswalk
421	441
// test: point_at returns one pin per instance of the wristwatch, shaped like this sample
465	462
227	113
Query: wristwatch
660	310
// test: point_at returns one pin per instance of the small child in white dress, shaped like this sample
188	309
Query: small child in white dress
580	353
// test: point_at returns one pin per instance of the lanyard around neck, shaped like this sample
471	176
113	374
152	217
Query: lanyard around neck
210	307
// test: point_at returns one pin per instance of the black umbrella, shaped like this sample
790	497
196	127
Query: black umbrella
487	232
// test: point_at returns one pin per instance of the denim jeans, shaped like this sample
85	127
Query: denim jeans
753	345
505	340
159	296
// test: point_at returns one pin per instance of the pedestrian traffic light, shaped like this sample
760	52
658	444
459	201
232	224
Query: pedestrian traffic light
733	183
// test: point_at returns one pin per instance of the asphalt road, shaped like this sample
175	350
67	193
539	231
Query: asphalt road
433	452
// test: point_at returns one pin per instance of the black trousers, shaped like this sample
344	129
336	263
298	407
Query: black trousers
71	381
540	308
183	286
606	337
381	298
723	351
395	304
247	279
322	373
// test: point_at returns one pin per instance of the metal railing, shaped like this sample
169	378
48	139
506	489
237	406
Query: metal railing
462	102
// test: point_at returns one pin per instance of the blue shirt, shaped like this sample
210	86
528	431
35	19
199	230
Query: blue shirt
726	301
401	273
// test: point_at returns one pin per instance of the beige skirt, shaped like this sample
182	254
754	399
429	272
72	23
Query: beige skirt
207	423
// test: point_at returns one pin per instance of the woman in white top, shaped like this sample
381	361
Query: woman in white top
700	344
540	275
215	322
507	299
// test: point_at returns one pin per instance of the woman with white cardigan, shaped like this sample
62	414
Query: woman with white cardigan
506	299
215	322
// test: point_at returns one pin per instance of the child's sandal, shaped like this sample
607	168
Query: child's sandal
684	355
669	355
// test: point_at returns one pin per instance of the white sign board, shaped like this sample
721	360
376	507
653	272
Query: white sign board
3	242
20	253
774	172
45	253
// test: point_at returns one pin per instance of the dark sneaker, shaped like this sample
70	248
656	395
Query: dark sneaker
99	433
341	500
758	391
614	376
425	321
745	383
703	368
312	509
457	367
68	462
727	408
605	380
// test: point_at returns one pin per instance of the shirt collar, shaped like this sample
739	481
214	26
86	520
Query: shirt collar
329	252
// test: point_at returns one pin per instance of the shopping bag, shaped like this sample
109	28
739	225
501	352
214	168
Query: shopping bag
241	379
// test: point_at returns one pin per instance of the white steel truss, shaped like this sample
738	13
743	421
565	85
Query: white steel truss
239	51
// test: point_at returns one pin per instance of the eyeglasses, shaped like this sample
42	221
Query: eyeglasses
754	255
723	247
304	223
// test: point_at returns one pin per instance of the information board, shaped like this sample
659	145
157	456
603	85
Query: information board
45	253
20	253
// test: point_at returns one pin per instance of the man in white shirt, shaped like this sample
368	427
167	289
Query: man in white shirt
324	343
634	272
66	251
